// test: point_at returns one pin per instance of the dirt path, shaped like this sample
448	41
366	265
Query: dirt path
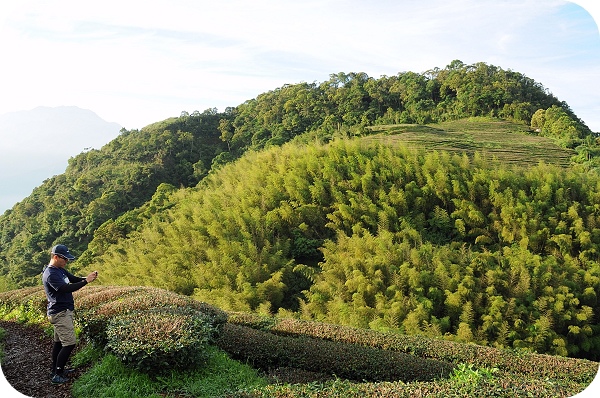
26	363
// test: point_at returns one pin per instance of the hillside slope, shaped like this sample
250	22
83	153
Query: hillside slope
289	204
384	237
102	185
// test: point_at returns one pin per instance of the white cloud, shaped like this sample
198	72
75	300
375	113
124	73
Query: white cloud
136	62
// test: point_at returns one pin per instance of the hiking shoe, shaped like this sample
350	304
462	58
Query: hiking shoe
66	372
58	379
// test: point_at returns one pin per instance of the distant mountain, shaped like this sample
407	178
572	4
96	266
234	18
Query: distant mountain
37	144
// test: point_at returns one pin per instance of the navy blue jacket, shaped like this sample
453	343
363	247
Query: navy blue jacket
59	285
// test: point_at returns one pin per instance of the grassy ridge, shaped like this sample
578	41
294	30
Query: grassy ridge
508	142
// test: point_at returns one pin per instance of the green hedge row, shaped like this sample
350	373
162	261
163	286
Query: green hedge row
499	386
518	362
265	350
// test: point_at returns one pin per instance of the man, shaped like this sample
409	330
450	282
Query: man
59	285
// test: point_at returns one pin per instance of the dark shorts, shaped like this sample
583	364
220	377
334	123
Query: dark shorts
64	329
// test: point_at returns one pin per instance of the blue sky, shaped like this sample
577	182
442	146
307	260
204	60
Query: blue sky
137	62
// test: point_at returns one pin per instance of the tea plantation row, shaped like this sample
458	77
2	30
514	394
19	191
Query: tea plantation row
150	329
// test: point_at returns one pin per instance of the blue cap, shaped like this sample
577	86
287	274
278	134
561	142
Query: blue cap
62	250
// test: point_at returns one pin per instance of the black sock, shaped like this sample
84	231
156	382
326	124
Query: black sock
63	357
55	350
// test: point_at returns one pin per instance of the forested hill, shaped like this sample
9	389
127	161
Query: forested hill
100	185
460	235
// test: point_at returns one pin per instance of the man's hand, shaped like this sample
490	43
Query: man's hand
91	277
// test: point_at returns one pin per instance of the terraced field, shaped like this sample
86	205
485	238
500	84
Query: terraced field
494	139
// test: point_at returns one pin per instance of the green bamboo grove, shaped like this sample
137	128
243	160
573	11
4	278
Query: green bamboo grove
386	238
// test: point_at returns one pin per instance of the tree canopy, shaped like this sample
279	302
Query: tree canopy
99	185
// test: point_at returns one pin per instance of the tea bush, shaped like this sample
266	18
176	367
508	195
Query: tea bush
161	339
266	350
150	329
33	296
97	308
94	296
499	386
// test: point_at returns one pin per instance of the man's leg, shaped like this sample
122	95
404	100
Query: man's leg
63	357
64	332
55	351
